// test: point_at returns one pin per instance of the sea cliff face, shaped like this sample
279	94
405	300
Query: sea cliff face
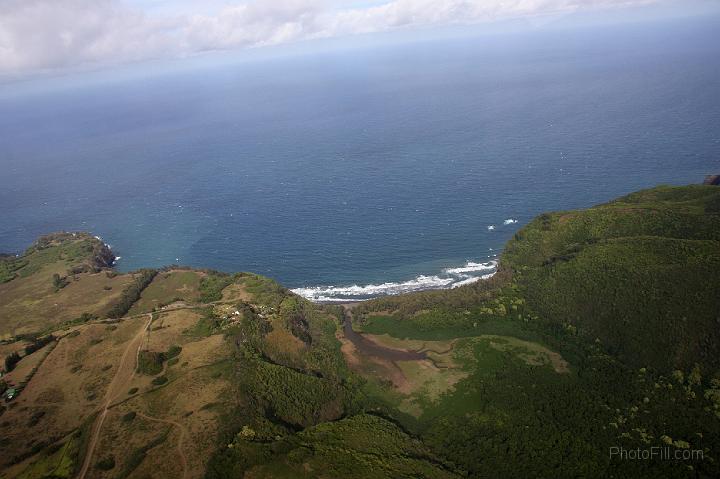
93	254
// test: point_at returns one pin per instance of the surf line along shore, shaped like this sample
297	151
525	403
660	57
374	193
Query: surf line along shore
371	348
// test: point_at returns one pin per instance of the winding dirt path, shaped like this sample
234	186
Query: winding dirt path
183	431
118	386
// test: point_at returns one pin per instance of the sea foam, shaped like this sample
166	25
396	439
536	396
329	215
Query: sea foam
448	278
471	267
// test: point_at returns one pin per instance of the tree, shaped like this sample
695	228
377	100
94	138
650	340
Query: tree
11	360
59	282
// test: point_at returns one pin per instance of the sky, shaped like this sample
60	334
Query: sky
60	35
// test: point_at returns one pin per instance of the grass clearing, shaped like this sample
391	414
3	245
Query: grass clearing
32	305
532	353
434	326
167	287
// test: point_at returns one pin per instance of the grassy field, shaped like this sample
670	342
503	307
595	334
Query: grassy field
166	287
57	279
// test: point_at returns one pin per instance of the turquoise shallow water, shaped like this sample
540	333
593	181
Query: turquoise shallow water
353	172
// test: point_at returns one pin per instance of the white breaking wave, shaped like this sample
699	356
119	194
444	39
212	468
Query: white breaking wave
472	280
491	227
510	221
365	292
471	267
449	278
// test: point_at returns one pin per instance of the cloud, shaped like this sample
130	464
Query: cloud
54	34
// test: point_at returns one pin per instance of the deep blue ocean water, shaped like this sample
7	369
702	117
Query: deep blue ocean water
361	164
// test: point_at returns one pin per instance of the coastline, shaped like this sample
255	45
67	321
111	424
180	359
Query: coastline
447	278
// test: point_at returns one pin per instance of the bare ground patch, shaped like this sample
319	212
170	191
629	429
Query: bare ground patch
67	387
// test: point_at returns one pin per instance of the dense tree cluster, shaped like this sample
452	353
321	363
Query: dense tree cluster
132	293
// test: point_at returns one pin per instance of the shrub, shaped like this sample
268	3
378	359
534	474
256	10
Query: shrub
106	463
39	344
11	360
160	380
173	351
129	416
35	418
85	317
59	282
150	362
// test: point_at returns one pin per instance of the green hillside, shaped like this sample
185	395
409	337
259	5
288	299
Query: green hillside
641	274
629	294
599	332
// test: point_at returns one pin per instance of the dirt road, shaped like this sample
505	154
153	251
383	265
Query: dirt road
181	453
117	387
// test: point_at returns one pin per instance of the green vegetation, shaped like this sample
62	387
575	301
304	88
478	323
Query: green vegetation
55	461
160	380
106	463
127	417
11	360
59	282
211	286
363	446
208	324
441	324
132	293
168	287
264	290
80	252
282	390
9	264
150	362
628	293
138	455
39	343
647	262
173	351
600	330
82	436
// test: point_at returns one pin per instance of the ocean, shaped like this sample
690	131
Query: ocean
364	168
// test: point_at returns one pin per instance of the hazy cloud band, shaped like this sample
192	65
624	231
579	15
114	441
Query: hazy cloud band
50	34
